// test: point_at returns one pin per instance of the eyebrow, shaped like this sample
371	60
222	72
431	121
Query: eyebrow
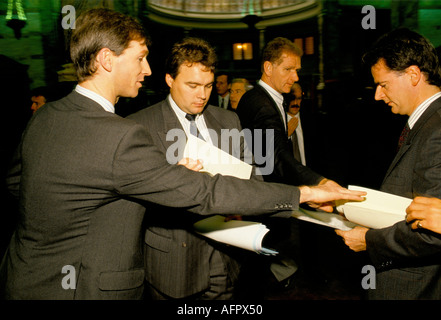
379	83
199	84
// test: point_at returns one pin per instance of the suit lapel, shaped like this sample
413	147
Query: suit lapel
434	107
275	107
213	124
170	121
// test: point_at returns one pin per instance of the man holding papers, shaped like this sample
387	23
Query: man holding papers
180	263
406	70
81	172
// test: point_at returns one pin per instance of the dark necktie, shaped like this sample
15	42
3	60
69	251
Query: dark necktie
403	136
295	146
222	103
285	110
193	128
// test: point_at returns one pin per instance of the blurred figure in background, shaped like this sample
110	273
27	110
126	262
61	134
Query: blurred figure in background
39	96
238	87
295	131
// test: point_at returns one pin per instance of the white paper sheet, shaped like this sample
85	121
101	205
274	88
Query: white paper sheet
216	161
247	235
379	210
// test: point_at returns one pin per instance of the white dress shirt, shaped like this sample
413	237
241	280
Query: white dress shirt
416	114
200	121
277	97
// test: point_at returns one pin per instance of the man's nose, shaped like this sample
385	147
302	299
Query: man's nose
146	68
379	94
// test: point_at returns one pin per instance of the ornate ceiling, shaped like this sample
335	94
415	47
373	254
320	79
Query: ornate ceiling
230	14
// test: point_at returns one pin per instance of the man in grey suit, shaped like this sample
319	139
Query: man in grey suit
196	267
406	70
81	171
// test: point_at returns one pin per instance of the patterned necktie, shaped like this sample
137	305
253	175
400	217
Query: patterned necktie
193	128
403	136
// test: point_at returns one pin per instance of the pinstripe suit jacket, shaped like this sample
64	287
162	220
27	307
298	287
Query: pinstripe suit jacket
79	175
176	259
409	261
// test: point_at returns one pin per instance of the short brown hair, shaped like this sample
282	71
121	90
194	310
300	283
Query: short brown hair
101	28
190	50
275	48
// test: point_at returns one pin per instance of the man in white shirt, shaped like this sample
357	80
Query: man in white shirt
222	92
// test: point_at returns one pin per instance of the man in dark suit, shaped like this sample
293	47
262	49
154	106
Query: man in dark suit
407	73
262	110
199	269
221	96
81	170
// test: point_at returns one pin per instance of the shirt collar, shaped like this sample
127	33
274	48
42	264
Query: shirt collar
278	97
416	114
179	112
103	102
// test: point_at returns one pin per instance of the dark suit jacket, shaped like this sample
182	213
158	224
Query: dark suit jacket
257	110
408	261
214	100
79	175
177	260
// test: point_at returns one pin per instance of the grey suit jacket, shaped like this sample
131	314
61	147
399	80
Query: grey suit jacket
408	261
177	260
79	174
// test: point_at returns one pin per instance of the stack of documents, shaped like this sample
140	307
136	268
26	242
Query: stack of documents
378	210
247	235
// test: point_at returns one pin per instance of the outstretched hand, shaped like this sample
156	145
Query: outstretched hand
324	195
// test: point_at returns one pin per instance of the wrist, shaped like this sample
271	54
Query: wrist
305	194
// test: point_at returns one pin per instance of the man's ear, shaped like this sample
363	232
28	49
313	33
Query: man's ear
169	80
415	74
105	59
268	68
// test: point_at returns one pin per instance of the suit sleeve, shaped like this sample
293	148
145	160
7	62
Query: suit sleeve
400	244
140	171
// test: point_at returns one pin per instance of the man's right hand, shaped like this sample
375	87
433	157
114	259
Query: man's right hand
323	196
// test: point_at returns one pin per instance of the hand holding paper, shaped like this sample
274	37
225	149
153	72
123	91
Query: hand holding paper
323	196
379	210
215	161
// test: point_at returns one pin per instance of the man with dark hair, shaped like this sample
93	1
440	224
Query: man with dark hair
221	96
406	71
201	269
39	96
81	171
